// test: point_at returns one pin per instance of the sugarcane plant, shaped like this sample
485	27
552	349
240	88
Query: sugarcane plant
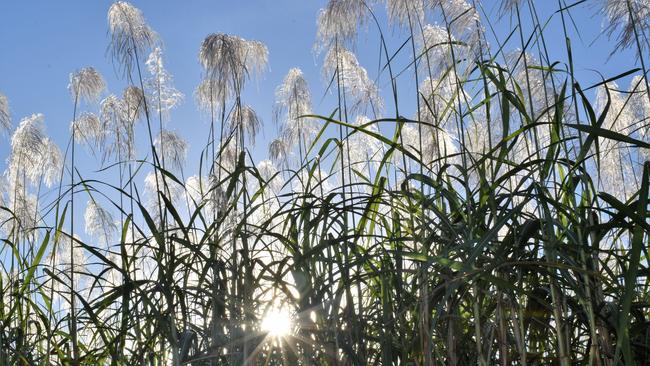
471	201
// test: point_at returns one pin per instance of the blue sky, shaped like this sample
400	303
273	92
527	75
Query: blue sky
43	41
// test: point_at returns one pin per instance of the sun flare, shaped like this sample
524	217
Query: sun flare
277	323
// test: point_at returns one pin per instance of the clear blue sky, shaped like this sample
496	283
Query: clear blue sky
43	41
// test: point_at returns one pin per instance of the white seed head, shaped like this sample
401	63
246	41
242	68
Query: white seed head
436	49
133	99
339	21
27	144
160	86
118	128
256	57
130	34
99	223
246	119
627	19
86	84
112	111
63	260
620	117
299	131
88	129
279	151
406	12
269	174
616	174
24	207
216	197
4	190
364	149
173	148
227	159
353	79
292	97
437	144
464	22
52	163
5	115
229	61
438	99
196	189
293	102
209	95
460	15
536	86
315	183
158	182
477	139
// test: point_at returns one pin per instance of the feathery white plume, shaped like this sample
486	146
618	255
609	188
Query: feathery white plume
196	189
27	149
620	118
269	174
88	129
209	95
306	182
440	145
24	207
339	21
436	49
52	163
406	12
229	60
99	223
616	170
362	148
464	22
112	110
279	151
246	119
256	56
160	85
157	182
619	19
133	100
86	84
5	217
293	100
477	140
63	260
5	116
439	99
173	147
293	96
227	159
460	14
118	129
538	92
130	34
172	189
353	80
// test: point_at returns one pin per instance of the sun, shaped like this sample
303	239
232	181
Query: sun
277	323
